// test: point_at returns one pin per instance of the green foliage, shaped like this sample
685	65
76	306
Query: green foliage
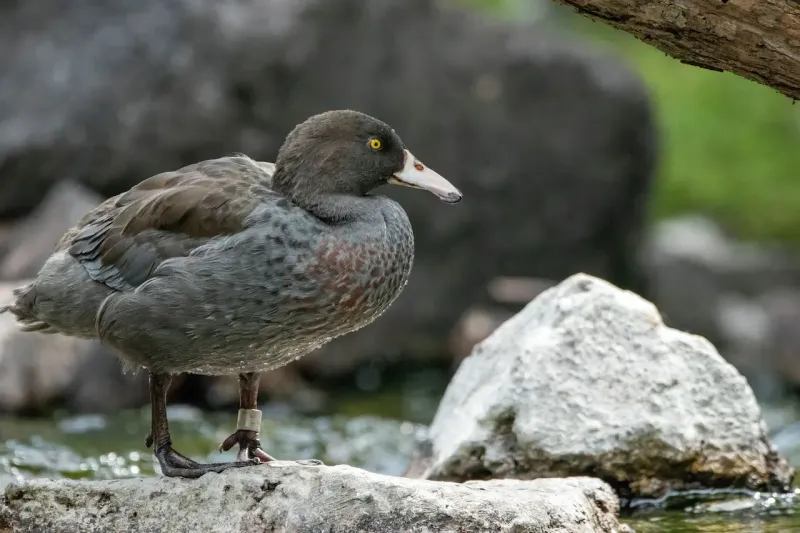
730	147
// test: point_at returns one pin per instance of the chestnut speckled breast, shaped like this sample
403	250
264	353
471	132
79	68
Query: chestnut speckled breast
362	278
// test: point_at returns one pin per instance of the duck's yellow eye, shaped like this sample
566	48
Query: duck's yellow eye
375	144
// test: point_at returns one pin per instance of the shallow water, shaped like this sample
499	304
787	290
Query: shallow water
731	513
100	447
103	447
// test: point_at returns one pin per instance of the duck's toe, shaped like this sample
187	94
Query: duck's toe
249	446
174	464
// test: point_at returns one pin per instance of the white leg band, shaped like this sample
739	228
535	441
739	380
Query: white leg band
249	419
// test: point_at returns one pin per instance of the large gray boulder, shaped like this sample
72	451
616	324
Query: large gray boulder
587	380
551	141
285	497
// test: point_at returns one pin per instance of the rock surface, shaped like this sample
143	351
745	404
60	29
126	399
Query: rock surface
557	132
285	497
587	380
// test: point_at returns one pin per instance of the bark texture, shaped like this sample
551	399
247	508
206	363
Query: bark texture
756	39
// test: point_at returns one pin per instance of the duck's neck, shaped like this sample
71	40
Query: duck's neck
338	208
309	193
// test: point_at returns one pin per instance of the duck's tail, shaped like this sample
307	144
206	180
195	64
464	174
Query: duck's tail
22	309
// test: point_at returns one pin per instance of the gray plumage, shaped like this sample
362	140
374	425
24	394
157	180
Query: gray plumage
232	265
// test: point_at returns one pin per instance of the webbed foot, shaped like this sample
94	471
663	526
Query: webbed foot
174	464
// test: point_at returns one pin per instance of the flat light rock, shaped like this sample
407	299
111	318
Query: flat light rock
287	497
587	380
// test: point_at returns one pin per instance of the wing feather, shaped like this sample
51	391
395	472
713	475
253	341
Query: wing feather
123	240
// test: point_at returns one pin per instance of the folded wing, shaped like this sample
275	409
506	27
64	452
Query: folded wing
123	240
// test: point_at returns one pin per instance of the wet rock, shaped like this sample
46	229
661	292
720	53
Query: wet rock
588	379
556	132
288	497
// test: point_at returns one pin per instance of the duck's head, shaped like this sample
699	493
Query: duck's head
350	153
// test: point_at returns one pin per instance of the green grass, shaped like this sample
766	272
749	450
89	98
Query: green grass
730	147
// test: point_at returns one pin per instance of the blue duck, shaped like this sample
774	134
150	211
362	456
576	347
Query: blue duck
234	266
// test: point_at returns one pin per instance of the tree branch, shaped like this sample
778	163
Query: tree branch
756	39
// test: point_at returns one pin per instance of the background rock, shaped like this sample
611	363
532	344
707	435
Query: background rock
287	497
588	379
559	135
39	371
740	295
28	244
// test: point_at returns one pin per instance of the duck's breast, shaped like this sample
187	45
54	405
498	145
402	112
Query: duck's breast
362	269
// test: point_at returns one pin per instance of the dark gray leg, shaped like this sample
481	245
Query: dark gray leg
247	438
173	464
